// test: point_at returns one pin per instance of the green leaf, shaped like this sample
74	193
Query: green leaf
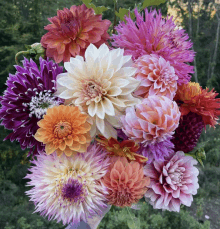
100	9
147	3
86	1
122	12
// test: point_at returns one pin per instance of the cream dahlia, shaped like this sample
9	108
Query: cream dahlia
69	189
172	182
156	75
101	86
152	121
71	32
125	181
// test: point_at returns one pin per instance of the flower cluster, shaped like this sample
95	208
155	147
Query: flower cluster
113	127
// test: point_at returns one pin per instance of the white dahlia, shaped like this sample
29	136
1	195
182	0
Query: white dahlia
101	85
69	189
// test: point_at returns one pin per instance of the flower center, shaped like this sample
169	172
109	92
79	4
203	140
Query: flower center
62	129
72	190
93	91
177	176
41	102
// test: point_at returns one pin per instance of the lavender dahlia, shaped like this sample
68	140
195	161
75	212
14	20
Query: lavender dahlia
69	189
154	35
25	101
157	151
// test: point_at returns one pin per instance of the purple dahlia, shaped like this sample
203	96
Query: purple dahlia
157	151
25	101
153	34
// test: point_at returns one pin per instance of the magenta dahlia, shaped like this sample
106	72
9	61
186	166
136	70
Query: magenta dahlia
26	100
172	182
154	35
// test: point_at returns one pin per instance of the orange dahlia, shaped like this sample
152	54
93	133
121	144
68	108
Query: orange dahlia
64	129
125	181
71	32
126	148
200	101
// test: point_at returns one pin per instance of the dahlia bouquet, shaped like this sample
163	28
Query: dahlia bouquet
109	117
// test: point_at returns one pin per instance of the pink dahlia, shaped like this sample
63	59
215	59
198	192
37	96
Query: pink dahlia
154	35
154	120
72	31
157	77
172	182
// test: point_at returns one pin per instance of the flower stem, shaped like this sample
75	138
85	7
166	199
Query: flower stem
131	217
18	54
115	21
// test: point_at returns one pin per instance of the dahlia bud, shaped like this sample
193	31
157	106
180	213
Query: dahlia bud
34	51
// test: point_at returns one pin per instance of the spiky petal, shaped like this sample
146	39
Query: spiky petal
153	34
200	101
26	100
69	189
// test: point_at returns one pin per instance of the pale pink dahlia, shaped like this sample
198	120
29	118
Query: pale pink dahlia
154	35
154	120
69	189
157	77
172	182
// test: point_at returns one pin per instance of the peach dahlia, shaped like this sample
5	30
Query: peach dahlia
64	129
125	181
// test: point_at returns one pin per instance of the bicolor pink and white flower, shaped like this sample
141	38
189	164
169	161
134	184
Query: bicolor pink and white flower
101	86
152	121
157	77
172	182
69	189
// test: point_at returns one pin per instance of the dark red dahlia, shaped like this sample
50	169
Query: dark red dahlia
188	132
25	101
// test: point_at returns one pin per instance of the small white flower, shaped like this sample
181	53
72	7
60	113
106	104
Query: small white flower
101	86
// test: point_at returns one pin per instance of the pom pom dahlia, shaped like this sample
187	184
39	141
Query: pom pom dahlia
200	101
26	100
72	31
155	35
157	77
64	129
172	182
101	86
154	120
125	181
188	132
69	189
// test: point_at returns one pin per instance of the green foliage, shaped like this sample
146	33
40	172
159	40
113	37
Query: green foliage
98	10
122	12
147	3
